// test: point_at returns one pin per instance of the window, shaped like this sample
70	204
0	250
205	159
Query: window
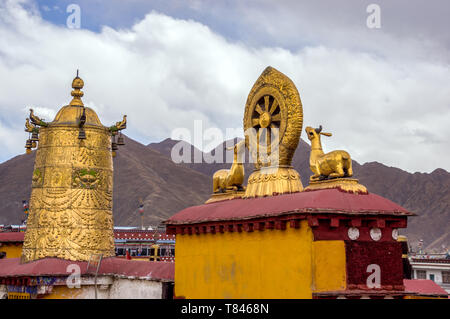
446	277
432	277
421	274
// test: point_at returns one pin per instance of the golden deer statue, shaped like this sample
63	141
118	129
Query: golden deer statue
231	179
334	164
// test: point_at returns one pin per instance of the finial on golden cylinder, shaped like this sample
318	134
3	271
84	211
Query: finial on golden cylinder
77	85
32	125
117	129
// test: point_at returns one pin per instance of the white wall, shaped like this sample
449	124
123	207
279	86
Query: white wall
111	288
433	269
123	288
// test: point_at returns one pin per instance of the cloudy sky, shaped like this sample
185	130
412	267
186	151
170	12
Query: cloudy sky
383	92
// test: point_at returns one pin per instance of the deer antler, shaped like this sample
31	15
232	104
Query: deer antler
318	130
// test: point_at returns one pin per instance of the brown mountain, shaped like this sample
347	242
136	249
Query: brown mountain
165	187
15	186
427	195
139	173
223	157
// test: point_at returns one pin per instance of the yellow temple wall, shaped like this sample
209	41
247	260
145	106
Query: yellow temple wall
259	264
12	250
329	265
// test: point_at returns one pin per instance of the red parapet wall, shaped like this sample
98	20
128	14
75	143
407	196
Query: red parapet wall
387	255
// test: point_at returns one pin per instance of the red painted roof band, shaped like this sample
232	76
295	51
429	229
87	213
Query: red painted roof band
13	237
160	271
424	287
318	201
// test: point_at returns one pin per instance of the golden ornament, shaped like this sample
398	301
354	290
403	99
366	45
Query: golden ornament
72	186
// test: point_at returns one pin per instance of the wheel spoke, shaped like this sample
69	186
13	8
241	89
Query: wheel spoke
257	143
255	122
274	106
276	132
266	103
263	136
258	109
276	118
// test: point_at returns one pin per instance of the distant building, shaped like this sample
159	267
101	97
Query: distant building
424	289
149	245
145	245
11	244
435	269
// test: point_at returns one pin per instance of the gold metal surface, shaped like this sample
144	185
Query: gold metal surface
330	165
77	85
269	181
350	185
229	194
72	187
69	115
331	170
30	127
229	181
273	122
122	124
36	120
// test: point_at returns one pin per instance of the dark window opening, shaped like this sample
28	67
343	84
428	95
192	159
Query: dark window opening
421	274
446	277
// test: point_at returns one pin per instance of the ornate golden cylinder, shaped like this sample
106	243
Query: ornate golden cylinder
72	186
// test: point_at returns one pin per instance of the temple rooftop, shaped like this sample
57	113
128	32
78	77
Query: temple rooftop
332	201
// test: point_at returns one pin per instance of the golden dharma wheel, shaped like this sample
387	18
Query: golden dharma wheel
273	119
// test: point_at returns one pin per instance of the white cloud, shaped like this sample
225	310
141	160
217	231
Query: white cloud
165	73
